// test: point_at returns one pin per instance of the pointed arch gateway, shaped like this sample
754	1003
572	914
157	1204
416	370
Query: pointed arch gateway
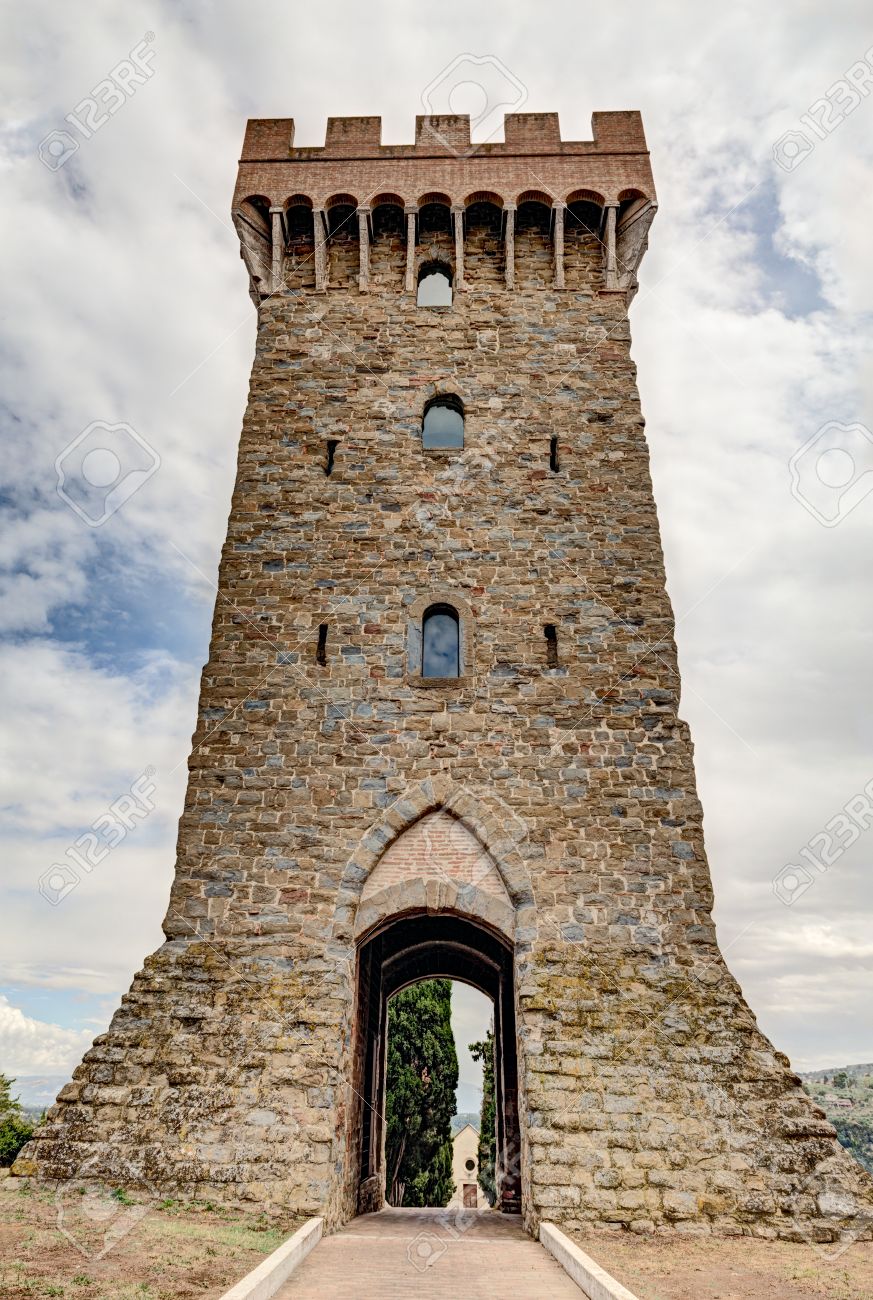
433	901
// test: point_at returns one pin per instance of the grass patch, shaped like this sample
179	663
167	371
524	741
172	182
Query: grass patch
178	1250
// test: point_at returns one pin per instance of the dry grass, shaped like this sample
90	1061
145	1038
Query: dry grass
731	1268
123	1248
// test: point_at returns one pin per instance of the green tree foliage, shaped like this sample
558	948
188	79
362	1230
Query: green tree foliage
841	1079
15	1128
856	1136
422	1081
434	1185
484	1051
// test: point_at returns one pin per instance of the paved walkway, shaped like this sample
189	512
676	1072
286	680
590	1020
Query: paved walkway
468	1255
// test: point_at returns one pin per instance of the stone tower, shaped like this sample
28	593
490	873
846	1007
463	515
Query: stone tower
438	728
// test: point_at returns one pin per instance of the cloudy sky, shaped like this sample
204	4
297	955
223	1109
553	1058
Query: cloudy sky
125	301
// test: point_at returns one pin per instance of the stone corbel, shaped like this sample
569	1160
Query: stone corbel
411	211
363	249
319	235
458	218
558	209
255	246
509	245
632	239
610	215
276	216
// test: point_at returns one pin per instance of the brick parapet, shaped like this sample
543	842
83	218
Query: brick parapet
532	156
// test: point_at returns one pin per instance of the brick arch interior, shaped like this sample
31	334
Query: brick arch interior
483	246
493	823
534	252
436	240
437	863
583	249
299	262
404	950
388	248
342	244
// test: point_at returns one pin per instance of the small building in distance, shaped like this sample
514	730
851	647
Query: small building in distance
465	1170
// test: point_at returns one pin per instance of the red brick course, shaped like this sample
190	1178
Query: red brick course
533	156
437	847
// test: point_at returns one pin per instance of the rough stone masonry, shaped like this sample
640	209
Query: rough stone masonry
545	793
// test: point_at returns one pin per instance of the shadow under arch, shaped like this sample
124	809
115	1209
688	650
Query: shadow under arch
392	956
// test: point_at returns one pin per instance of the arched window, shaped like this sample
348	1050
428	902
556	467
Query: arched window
434	285
443	423
440	642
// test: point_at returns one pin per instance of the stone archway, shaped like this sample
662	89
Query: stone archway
438	888
402	951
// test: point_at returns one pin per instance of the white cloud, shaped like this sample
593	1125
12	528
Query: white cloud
83	734
472	1013
29	1046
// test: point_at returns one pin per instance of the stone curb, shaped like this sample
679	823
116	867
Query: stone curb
593	1280
265	1280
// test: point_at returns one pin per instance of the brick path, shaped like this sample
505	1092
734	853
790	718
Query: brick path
425	1254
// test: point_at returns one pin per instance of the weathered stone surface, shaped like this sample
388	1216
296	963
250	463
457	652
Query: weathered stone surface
321	797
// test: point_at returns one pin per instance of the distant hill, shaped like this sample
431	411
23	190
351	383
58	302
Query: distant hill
845	1094
465	1117
818	1076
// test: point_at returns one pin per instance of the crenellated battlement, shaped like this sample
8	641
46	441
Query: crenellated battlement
273	139
294	204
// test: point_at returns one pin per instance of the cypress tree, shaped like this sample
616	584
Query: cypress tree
484	1051
421	1083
